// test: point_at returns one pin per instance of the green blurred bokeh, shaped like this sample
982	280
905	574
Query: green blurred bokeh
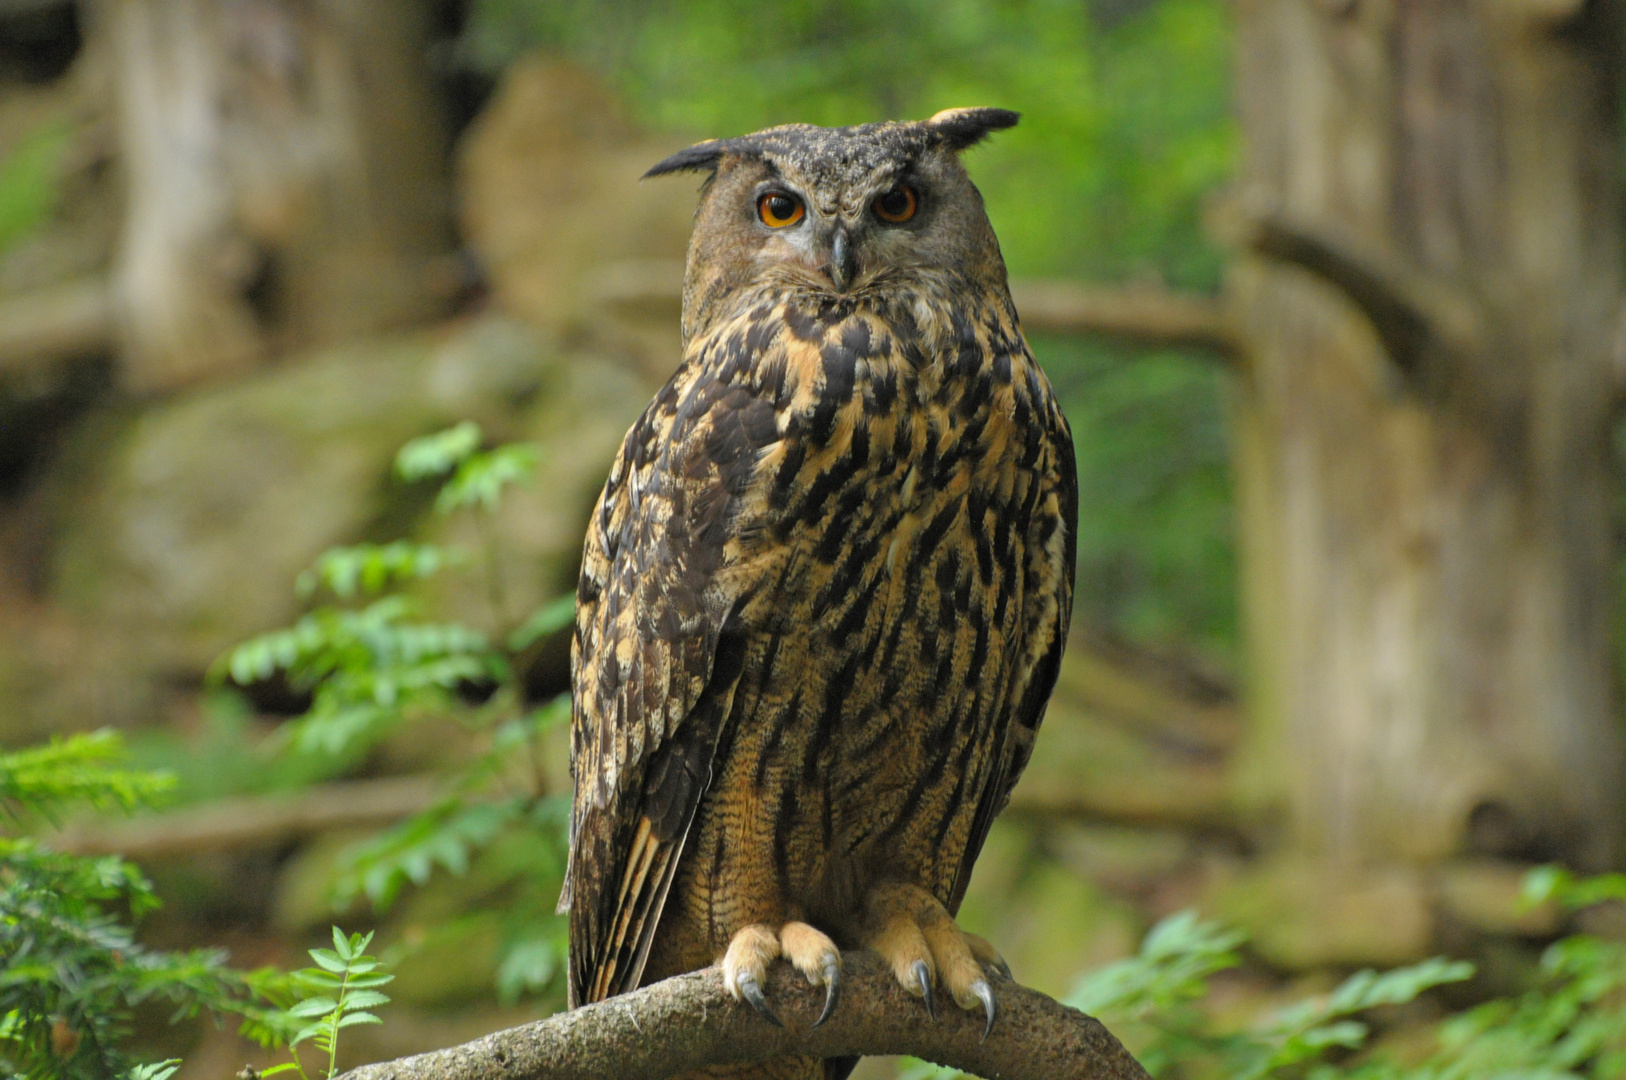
1126	129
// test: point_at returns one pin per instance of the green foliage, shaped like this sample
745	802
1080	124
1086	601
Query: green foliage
368	569
1570	1025
477	477
1126	129
1556	884
79	768
71	971
545	620
1156	995
1126	103
335	994
372	666
1156	556
368	670
228	752
433	456
158	1070
29	181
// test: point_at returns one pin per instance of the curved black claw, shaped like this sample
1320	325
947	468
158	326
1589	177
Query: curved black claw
985	994
923	976
752	993
1002	967
832	988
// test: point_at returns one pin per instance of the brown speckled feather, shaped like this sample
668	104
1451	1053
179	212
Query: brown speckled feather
826	589
764	493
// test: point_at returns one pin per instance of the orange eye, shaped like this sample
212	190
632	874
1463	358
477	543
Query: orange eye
778	210
897	205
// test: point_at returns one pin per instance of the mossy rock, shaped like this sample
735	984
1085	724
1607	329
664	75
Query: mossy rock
180	527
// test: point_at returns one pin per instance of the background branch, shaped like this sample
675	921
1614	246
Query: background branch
254	819
64	322
1142	315
689	1021
1416	314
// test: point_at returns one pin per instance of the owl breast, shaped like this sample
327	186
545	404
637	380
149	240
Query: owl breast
886	532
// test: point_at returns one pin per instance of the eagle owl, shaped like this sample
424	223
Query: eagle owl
826	588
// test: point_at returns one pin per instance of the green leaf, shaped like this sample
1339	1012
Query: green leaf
161	1070
365	981
318	978
445	835
342	945
364	999
527	967
481	478
286	1066
30	182
316	1006
309	1032
545	620
359	1018
437	454
81	768
328	959
370	568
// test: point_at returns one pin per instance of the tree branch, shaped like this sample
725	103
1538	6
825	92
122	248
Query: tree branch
1143	315
254	819
690	1021
1417	315
64	322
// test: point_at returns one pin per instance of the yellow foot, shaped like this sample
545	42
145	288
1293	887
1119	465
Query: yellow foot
917	937
745	964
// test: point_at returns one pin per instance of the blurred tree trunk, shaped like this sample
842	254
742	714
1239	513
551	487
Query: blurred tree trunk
286	175
1432	298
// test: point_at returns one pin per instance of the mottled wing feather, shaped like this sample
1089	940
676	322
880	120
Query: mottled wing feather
652	695
1051	556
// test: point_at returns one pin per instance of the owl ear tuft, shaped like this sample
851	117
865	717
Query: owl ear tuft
960	128
701	157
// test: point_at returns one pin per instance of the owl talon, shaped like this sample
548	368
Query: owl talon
918	938
832	988
923	975
986	955
985	994
752	993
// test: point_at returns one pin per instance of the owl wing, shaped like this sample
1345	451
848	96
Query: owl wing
1051	555
653	663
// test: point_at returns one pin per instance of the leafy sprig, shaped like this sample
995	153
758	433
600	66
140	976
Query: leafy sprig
343	989
371	664
82	768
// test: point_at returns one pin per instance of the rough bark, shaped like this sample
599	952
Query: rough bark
1423	439
690	1021
285	178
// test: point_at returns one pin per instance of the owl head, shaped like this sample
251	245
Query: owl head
851	211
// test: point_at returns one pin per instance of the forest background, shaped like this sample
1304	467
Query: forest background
252	249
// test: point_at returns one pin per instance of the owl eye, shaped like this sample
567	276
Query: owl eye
897	205
778	210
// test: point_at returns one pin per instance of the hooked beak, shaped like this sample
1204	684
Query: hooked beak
843	260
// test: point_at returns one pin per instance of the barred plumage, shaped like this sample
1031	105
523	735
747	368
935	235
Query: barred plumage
826	589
